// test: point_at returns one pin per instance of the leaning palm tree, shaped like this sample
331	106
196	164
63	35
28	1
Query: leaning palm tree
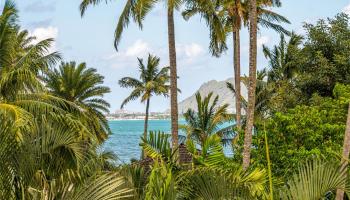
153	81
225	16
137	10
82	86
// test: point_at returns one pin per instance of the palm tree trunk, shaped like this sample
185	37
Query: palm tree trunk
252	83
237	71
146	126
346	151
146	119
173	79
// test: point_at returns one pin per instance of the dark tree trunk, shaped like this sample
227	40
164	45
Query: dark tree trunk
252	83
173	79
146	119
346	151
237	71
143	154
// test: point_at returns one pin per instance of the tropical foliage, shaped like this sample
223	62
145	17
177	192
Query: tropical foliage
53	124
48	150
208	123
82	86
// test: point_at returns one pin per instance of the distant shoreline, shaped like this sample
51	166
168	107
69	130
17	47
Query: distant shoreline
126	119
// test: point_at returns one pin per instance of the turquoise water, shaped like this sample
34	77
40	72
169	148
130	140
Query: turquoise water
125	138
126	134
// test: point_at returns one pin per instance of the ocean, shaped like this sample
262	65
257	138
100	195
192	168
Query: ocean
125	138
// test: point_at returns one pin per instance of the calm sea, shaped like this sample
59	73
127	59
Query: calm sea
125	138
126	134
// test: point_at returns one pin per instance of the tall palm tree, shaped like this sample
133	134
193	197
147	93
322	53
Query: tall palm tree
224	16
153	81
82	85
136	10
252	82
345	154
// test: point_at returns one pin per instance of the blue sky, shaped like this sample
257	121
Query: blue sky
90	39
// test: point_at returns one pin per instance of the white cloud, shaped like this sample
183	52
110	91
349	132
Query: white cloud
193	50
346	9
188	52
43	33
139	48
262	40
127	57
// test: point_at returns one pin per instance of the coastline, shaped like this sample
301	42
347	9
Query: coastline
133	119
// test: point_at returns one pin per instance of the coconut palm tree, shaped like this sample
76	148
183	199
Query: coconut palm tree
153	81
345	153
82	86
225	16
252	82
137	10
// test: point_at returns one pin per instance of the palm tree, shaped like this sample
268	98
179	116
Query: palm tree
22	94
43	155
48	162
208	119
20	59
229	16
315	180
263	95
137	10
82	86
153	81
252	82
345	154
281	67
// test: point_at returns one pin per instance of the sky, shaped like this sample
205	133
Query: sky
90	39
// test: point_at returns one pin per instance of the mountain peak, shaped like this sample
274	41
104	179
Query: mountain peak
218	88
